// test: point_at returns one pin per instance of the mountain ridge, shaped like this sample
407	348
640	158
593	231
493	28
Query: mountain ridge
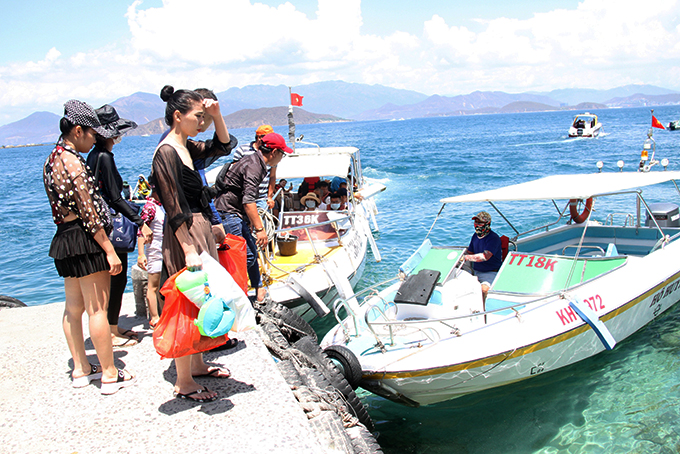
357	101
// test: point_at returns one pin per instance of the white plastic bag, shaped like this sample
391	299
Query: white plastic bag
223	286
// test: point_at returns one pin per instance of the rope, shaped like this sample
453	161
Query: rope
269	222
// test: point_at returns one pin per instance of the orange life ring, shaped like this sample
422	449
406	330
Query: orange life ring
579	218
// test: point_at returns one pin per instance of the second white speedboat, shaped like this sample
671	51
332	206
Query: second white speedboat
585	125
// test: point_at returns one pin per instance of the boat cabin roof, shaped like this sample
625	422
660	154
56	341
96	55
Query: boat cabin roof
585	115
310	162
560	187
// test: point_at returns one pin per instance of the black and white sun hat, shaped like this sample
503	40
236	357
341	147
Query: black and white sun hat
82	114
110	121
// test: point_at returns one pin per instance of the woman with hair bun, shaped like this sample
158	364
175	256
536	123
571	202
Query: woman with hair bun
82	252
187	232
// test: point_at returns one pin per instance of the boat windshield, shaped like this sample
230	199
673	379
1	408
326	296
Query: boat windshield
542	274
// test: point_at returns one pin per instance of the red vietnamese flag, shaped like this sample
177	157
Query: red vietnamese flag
296	100
656	123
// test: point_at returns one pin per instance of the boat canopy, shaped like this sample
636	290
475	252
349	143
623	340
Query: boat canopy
559	187
311	162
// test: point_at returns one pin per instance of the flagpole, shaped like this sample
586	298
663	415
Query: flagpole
291	120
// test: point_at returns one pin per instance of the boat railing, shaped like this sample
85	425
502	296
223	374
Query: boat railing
582	246
379	343
318	224
391	323
340	304
609	220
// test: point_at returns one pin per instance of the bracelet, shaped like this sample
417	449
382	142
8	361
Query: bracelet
258	230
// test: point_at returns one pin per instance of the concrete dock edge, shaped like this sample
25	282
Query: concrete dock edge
41	412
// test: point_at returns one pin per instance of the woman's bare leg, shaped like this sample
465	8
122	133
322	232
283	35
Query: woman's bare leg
73	326
95	291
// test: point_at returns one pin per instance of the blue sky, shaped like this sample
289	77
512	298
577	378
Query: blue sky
100	51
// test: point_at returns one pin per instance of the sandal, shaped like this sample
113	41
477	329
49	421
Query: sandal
95	374
215	372
152	325
124	342
190	396
121	382
231	343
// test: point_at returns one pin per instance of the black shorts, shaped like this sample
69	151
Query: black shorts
75	251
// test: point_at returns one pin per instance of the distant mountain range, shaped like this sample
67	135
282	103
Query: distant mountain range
249	118
338	101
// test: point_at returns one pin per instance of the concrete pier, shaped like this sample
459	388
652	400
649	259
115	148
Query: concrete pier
41	413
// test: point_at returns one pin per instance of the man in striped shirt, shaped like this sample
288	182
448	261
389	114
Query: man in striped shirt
265	199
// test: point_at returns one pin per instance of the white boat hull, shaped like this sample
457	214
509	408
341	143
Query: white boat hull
586	132
349	259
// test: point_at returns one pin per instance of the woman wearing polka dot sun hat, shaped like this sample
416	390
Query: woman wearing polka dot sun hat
82	252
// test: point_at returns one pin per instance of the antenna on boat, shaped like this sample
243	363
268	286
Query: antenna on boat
647	146
291	120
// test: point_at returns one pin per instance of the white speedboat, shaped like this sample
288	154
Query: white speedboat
330	253
566	291
316	256
585	125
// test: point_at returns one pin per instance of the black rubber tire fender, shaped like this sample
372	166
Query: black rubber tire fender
348	363
277	342
324	365
363	441
9	301
292	325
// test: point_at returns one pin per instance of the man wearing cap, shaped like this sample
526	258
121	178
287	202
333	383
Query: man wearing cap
237	189
266	193
484	252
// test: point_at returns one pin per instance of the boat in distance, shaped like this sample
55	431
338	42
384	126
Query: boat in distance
585	125
558	298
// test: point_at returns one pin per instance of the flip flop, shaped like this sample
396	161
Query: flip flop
128	342
189	396
231	343
153	325
129	334
215	372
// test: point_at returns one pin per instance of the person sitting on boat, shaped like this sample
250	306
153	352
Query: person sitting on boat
285	195
238	186
342	192
334	205
484	252
322	192
310	202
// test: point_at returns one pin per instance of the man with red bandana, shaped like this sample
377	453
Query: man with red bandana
484	252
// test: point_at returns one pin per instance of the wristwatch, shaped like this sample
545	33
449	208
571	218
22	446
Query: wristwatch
258	230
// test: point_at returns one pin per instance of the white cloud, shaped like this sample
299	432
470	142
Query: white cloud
226	43
600	44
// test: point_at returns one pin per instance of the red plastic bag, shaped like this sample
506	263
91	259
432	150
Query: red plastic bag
176	335
233	257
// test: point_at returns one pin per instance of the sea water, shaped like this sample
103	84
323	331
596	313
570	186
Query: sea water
621	401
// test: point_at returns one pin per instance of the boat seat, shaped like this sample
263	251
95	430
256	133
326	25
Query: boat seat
417	288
